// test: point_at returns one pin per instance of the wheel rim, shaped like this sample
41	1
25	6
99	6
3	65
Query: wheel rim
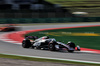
50	46
23	44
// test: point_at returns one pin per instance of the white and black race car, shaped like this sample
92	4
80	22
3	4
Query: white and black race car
47	43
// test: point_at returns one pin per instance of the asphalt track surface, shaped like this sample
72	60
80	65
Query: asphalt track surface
11	48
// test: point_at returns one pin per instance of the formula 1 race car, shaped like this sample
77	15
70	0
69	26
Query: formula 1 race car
47	43
8	27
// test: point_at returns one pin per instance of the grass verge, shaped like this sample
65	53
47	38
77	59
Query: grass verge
87	37
44	60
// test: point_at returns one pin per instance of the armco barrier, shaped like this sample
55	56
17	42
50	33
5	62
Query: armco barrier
49	20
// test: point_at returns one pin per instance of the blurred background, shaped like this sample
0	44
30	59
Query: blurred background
55	10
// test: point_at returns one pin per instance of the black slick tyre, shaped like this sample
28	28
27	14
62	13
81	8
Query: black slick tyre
52	47
26	44
72	45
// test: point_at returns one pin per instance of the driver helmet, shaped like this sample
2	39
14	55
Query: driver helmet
45	37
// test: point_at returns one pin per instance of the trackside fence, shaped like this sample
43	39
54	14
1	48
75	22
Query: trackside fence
48	20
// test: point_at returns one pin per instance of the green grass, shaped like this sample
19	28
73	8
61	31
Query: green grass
45	60
90	6
92	42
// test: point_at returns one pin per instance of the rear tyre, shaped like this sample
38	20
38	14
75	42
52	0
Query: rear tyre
26	44
52	47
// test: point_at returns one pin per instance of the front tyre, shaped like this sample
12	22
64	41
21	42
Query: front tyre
72	47
26	44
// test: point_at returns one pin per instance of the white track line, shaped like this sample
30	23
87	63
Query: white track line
4	37
61	59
